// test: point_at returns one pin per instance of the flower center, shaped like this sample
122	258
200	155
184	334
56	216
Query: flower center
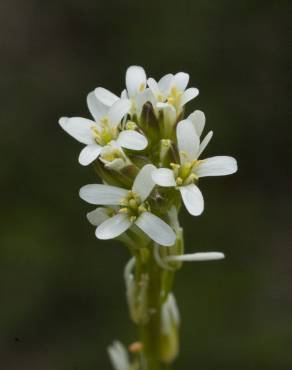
105	134
184	174
111	155
174	97
133	206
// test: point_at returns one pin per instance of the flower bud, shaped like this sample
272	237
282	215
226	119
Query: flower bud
168	153
149	122
119	356
136	292
114	167
113	157
170	322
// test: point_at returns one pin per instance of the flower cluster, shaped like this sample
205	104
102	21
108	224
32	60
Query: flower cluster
148	156
141	135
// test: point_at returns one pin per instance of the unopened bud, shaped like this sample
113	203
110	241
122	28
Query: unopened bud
149	122
130	125
170	321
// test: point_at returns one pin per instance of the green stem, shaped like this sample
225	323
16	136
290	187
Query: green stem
151	331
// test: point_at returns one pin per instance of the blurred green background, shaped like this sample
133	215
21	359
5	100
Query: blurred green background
62	293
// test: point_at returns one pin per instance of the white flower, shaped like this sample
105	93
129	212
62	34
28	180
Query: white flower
184	175
136	91
113	157
133	209
119	356
171	93
99	215
105	129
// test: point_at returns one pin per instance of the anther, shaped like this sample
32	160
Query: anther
123	210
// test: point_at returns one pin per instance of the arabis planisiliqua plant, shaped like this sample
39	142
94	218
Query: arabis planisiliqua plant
149	160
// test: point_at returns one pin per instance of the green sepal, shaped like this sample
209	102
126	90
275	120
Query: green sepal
149	122
115	178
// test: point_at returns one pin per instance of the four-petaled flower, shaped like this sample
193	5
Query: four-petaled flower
104	130
136	91
170	91
183	176
131	208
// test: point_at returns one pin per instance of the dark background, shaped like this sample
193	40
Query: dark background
62	293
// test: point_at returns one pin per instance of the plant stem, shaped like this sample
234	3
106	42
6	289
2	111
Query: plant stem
150	332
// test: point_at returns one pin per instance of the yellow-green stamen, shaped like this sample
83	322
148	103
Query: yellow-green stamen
133	206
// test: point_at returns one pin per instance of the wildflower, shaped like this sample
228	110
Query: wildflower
170	91
136	90
105	129
133	209
113	157
185	175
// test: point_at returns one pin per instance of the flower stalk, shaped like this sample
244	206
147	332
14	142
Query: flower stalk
148	158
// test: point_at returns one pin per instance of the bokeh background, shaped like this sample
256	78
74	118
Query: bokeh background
62	293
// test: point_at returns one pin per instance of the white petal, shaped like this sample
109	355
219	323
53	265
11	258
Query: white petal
102	194
164	83
116	165
205	142
124	94
217	166
188	95
113	227
163	177
89	154
169	112
165	106
118	110
187	140
198	119
193	199
201	256
97	216
131	139
156	229
153	85
135	80
96	108
79	128
142	97
181	80
143	183
105	96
